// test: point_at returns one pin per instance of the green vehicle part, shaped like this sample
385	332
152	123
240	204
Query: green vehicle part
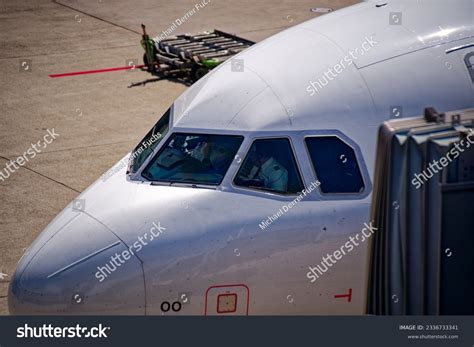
210	63
150	49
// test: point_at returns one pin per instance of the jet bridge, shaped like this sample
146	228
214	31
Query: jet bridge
422	261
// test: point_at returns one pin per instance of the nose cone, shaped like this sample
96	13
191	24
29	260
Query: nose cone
72	268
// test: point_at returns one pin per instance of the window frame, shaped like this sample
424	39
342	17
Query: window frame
362	168
137	176
130	172
165	144
268	191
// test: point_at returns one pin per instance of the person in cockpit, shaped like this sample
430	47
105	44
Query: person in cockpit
266	172
215	155
193	158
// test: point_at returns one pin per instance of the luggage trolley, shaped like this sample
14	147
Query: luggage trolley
190	55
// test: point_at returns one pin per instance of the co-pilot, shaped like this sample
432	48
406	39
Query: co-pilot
267	170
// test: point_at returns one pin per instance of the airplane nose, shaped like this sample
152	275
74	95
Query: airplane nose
63	272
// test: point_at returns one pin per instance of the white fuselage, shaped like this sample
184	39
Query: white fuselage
340	75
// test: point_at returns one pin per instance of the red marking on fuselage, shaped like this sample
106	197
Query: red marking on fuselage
225	286
348	295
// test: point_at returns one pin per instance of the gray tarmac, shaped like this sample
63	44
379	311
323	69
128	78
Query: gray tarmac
97	116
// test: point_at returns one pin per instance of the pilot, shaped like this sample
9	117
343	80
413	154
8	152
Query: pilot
216	156
271	174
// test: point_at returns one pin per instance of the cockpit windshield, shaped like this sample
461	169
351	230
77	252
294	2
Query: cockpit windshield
193	158
149	143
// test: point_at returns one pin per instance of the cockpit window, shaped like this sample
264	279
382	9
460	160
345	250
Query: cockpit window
149	143
335	164
193	158
270	165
